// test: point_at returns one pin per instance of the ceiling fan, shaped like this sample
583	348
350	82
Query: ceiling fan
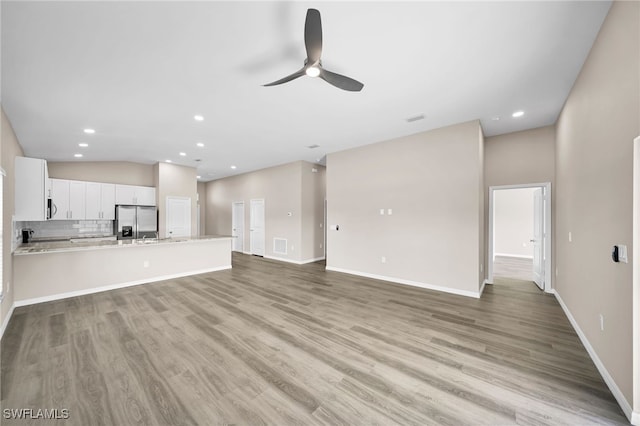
313	65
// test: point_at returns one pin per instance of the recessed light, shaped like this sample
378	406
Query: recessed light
198	117
83	145
77	155
167	161
200	144
517	114
233	167
198	177
89	131
183	154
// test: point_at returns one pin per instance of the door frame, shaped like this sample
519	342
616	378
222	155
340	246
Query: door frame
548	236
233	204
264	225
635	256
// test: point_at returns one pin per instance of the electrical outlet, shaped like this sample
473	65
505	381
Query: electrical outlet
556	272
293	248
481	267
381	212
383	260
601	322
8	287
389	212
320	245
145	264
570	238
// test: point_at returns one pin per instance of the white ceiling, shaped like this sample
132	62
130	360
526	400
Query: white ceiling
137	73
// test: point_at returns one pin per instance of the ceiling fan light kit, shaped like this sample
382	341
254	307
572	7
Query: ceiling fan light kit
312	65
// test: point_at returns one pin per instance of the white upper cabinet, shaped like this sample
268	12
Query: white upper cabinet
68	199
100	201
31	189
136	195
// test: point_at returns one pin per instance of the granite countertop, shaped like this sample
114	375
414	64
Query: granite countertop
101	243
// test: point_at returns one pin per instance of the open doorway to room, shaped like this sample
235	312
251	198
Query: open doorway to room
520	234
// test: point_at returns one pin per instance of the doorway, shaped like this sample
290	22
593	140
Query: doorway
520	234
256	223
178	217
237	225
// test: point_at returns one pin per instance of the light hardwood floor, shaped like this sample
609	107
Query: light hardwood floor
513	268
275	343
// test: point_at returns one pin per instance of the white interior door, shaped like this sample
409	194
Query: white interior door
257	227
237	226
538	238
178	217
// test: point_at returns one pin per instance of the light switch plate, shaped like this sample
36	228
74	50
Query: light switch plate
390	212
381	212
622	254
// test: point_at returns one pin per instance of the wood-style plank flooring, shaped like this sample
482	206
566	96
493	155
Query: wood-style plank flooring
279	344
513	267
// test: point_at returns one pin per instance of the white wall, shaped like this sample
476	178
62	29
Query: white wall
432	181
513	226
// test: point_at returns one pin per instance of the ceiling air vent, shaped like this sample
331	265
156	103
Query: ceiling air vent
313	146
415	118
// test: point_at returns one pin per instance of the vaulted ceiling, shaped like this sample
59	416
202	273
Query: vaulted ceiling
138	72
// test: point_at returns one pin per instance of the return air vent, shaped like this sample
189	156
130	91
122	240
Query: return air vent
280	245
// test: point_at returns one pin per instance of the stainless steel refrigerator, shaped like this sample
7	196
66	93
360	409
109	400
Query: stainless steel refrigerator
134	222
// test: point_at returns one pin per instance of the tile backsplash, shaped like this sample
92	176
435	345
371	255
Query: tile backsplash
66	228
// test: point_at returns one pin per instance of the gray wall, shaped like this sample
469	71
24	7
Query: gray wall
176	181
432	181
594	173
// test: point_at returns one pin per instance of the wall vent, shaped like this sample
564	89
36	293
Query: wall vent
280	245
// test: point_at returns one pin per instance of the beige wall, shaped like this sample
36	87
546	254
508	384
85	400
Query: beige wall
282	189
313	196
432	182
594	159
175	181
513	226
202	205
50	275
121	172
520	158
10	149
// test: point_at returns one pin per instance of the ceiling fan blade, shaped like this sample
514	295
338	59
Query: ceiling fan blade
341	81
313	36
293	76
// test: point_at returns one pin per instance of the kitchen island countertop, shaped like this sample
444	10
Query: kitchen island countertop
97	243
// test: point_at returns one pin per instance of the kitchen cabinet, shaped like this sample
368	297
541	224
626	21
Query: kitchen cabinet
136	195
100	201
31	189
68	199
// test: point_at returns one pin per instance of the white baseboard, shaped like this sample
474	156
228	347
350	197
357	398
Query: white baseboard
297	262
25	302
466	293
5	323
517	256
484	283
615	390
635	418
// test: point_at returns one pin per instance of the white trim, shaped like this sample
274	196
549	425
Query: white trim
68	294
5	323
484	283
635	419
548	273
518	256
474	294
297	262
615	390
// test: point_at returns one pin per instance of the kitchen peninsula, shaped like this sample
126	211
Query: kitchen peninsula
55	270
